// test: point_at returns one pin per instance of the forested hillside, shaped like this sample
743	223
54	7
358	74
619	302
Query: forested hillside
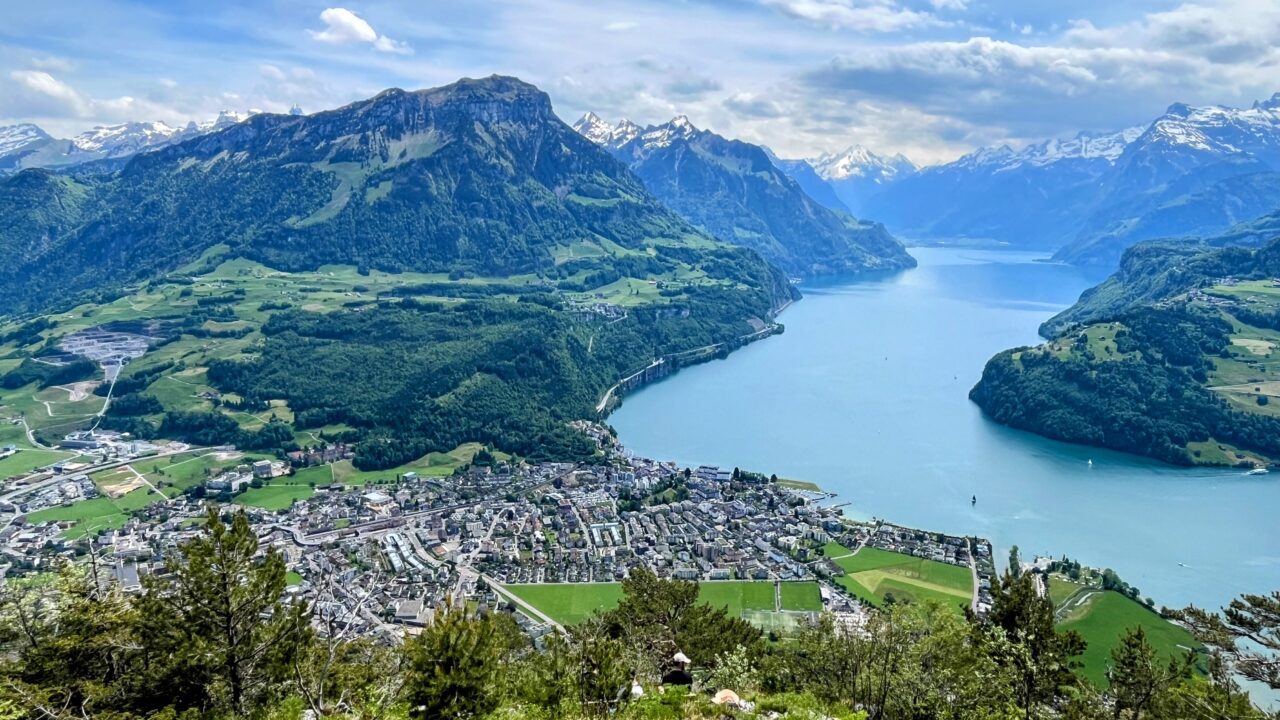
1174	357
405	274
476	177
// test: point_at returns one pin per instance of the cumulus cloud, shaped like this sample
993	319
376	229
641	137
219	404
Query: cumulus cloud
1029	89
43	94
343	27
35	94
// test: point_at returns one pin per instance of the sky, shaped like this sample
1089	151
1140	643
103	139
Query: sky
931	79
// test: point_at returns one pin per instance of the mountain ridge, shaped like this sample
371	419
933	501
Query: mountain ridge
735	191
410	169
1089	197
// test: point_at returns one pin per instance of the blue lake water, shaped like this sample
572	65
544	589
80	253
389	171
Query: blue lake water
866	394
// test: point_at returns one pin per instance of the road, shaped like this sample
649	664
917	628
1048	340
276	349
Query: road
52	479
531	610
604	401
973	568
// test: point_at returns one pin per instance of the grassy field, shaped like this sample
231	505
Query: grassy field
1061	588
26	460
570	603
176	473
800	485
432	465
96	514
276	496
1105	618
801	596
873	574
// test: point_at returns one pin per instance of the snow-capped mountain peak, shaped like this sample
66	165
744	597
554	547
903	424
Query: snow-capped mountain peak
16	137
1107	146
1217	129
130	138
226	119
678	128
858	162
593	128
124	139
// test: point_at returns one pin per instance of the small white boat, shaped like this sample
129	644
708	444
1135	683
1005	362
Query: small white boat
1258	471
1091	462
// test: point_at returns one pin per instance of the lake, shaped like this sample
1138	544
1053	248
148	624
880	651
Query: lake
866	395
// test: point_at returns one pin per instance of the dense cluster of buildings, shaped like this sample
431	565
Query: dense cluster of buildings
380	556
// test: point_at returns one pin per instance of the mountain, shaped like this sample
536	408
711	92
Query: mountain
1173	357
1031	198
734	191
602	133
16	137
405	274
26	145
117	141
1199	203
809	181
479	176
858	174
1193	171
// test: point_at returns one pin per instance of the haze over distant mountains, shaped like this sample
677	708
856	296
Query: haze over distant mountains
1193	171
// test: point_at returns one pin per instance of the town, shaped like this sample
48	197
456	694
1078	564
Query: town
379	557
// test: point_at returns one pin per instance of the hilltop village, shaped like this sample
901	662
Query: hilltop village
378	557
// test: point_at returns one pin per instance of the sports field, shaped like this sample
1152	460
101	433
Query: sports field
570	603
874	574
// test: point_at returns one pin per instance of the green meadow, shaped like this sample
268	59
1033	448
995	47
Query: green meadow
1104	618
873	575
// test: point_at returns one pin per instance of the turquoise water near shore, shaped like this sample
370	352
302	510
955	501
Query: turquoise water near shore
866	394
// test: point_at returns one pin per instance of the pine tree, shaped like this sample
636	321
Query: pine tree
1137	677
1253	620
219	615
453	667
1024	640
